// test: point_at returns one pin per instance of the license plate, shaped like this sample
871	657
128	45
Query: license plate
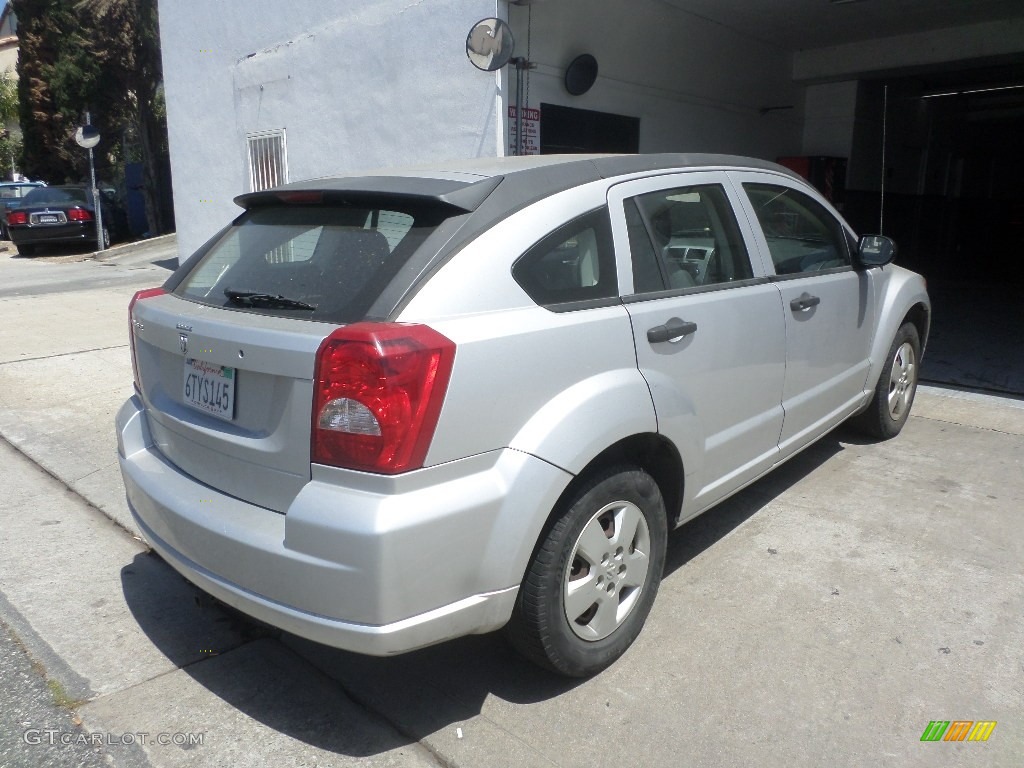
210	388
49	218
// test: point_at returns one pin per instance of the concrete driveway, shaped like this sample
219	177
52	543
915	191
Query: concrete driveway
823	616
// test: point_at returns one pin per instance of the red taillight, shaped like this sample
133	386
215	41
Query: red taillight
17	217
139	296
79	214
301	196
377	396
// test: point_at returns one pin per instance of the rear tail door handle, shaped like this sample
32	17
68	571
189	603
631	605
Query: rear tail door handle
673	330
804	302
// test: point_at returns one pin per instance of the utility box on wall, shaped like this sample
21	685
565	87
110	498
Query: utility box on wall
826	174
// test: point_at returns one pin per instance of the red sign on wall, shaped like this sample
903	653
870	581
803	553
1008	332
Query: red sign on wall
531	132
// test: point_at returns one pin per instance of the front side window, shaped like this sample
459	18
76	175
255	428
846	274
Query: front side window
574	263
802	235
328	263
686	237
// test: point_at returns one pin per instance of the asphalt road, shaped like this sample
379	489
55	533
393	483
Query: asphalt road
68	270
34	731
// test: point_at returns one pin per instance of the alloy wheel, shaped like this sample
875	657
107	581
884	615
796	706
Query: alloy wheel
607	570
902	381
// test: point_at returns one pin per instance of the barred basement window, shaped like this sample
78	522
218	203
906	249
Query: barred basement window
268	159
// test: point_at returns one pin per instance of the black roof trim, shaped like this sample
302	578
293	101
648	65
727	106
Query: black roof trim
505	185
460	195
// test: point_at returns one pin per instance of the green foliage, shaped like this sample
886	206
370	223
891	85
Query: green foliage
10	144
10	154
100	56
8	98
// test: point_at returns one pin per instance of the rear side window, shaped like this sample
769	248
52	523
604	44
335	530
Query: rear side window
575	263
802	235
329	263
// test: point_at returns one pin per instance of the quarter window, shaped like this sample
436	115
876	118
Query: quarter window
574	263
802	235
685	237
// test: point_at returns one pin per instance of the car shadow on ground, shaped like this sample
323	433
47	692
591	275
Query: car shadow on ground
168	264
422	693
49	251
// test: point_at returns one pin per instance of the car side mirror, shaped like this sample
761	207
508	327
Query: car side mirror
875	251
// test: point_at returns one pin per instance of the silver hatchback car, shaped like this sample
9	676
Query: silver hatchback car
380	412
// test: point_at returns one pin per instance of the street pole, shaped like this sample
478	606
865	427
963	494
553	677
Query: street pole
96	202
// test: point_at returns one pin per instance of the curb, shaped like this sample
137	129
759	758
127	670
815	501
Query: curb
109	254
130	248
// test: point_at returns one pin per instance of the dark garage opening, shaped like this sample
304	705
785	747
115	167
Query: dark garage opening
954	202
574	131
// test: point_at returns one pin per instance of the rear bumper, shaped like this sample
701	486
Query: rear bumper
375	565
56	233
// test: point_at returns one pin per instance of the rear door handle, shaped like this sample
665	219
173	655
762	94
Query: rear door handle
804	302
673	330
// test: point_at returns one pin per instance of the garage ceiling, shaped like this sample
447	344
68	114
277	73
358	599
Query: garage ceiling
802	24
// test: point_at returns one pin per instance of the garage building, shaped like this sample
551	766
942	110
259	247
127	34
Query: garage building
906	113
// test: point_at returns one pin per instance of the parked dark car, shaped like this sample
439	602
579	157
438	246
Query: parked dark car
11	194
65	215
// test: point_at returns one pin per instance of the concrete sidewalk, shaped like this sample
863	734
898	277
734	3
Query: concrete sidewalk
823	616
142	656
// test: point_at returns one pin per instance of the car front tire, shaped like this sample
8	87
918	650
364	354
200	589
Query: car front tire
890	406
594	575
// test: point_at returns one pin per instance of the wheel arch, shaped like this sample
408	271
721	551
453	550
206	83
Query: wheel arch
653	453
904	299
920	315
542	627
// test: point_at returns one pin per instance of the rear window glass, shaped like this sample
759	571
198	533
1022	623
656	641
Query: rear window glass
56	195
16	190
328	263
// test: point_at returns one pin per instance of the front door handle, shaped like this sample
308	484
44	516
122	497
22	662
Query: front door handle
673	330
804	302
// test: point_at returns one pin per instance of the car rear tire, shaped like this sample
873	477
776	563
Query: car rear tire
594	575
26	250
104	243
894	394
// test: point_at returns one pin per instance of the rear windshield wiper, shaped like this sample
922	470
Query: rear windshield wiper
256	299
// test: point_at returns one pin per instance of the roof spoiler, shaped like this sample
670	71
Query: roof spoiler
460	196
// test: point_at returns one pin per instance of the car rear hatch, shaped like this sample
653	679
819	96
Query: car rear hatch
225	354
228	396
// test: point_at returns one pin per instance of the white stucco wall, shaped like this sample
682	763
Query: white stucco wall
695	85
380	83
356	86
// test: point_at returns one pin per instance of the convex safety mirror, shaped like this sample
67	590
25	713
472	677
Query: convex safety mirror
875	251
489	44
